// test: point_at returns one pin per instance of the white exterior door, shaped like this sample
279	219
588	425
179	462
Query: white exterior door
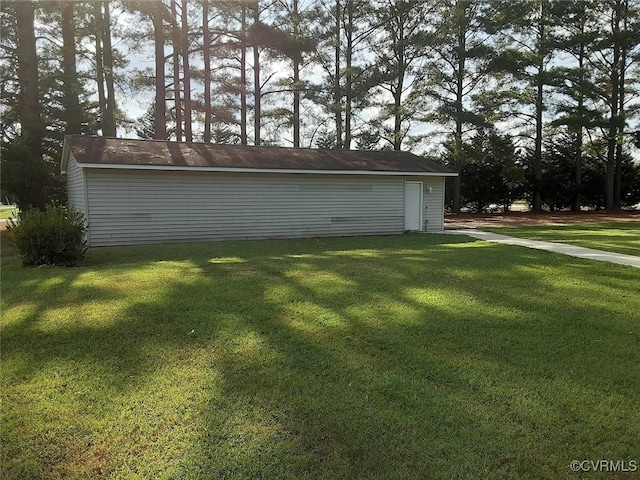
413	206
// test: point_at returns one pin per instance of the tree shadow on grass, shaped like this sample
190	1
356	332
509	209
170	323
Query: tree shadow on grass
388	357
351	390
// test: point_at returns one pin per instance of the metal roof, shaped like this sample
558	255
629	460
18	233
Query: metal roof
104	152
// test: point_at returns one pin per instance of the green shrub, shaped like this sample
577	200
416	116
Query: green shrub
55	236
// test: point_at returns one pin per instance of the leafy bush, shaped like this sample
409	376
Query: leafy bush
55	236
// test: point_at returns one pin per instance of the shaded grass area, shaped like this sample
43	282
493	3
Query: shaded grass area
619	237
416	356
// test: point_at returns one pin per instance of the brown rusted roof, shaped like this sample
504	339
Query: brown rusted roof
131	152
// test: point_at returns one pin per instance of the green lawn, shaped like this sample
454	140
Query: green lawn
620	237
416	356
7	211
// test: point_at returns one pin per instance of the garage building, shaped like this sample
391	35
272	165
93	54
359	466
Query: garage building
149	191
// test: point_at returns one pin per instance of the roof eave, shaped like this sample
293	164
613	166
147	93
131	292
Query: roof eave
118	166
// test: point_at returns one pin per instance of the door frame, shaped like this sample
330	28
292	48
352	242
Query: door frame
420	212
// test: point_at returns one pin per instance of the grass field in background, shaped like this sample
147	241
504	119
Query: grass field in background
415	356
8	211
620	237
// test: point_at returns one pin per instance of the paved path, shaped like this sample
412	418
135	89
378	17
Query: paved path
563	248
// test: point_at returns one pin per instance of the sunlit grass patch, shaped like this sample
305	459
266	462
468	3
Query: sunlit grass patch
228	260
8	211
620	237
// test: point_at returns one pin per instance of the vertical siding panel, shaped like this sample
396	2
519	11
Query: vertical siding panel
137	207
77	190
433	204
76	186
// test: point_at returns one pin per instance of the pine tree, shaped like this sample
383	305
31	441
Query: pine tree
159	15
457	71
528	29
576	37
343	30
398	58
613	58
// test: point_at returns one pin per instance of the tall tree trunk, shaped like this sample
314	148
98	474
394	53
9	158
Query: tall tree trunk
537	154
397	93
612	138
109	121
612	141
621	115
457	148
243	75
296	100
337	94
160	129
397	96
186	74
577	199
617	194
397	115
539	108
296	77
175	40
256	80
206	53
348	76
102	99
73	114
256	94
29	104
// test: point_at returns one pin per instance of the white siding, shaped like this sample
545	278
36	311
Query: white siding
433	203
138	207
76	186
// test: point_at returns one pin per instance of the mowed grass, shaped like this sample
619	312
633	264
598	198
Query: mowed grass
416	356
8	211
619	237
